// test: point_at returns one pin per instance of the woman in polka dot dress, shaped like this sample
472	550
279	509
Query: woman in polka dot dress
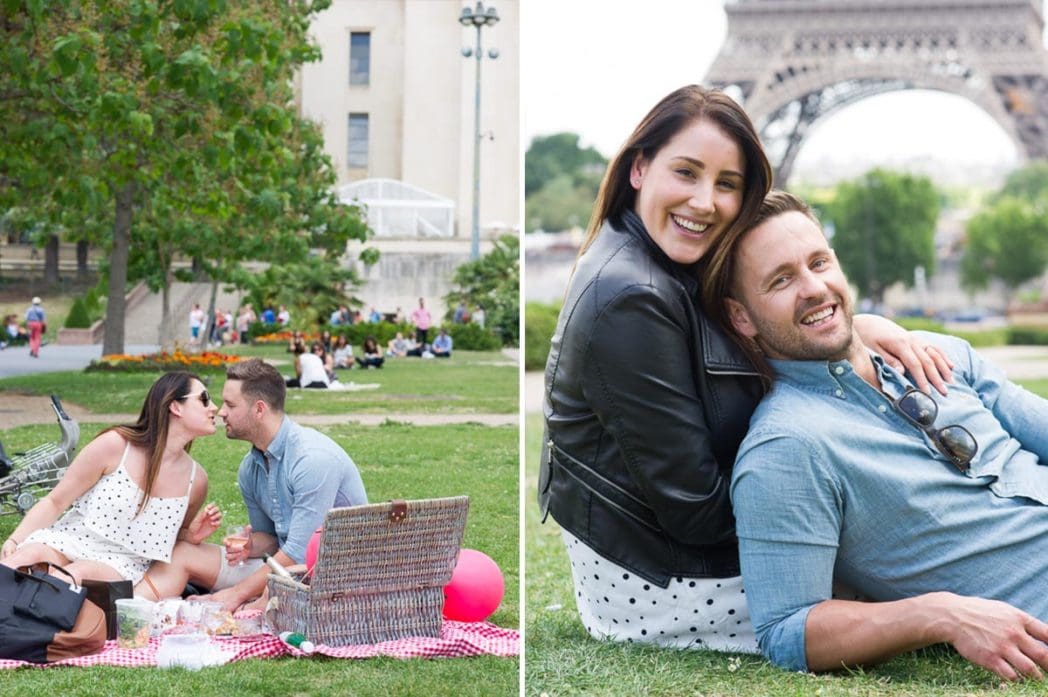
647	399
128	495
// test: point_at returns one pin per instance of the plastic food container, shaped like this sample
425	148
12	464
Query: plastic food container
134	616
190	651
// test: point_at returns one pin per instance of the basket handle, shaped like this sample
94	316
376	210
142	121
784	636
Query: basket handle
398	510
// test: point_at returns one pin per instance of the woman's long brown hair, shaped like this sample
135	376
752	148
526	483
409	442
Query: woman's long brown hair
150	431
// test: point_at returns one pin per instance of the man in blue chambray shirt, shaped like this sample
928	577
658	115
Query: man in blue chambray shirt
289	480
932	505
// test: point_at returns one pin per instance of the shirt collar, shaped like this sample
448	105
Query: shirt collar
821	374
276	448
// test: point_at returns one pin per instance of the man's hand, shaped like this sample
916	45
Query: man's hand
229	597
997	636
235	555
207	520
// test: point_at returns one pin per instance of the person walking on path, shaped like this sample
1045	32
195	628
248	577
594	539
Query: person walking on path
36	321
422	319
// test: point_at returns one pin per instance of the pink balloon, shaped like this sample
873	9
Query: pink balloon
476	588
312	549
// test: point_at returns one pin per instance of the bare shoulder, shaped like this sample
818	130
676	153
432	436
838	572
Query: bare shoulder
104	452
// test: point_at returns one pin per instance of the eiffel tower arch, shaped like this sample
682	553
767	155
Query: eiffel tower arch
793	62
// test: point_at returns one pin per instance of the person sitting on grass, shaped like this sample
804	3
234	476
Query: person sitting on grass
290	479
931	505
373	357
343	353
441	347
309	368
397	346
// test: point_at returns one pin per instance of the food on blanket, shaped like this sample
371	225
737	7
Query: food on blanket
221	623
197	613
249	622
166	615
134	617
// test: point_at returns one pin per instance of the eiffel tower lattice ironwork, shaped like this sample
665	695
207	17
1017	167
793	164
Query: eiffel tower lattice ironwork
792	62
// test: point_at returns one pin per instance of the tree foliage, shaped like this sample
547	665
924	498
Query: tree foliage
494	282
884	228
166	127
1008	241
561	181
310	289
1030	184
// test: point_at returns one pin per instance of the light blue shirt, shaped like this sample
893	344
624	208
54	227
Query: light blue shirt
289	488
443	342
35	313
832	482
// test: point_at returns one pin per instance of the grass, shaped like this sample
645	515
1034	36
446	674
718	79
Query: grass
470	382
396	461
561	659
56	307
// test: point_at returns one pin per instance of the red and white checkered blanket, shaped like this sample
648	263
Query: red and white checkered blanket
456	639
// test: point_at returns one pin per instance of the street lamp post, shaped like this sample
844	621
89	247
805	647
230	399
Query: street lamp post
477	17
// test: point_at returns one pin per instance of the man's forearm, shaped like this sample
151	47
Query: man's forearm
989	633
848	633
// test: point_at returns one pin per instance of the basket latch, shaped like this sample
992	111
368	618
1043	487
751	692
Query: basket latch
398	511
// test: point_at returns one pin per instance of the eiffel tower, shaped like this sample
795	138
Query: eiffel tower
792	62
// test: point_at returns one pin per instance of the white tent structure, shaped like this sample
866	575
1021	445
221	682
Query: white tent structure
394	209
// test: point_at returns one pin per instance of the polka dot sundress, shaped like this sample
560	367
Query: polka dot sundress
101	525
692	613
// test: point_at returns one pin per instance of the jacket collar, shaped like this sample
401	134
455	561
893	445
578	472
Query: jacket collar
719	352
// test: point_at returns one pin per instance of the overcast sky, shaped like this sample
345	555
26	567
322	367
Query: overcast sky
595	67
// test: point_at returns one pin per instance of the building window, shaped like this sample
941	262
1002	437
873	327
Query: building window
360	58
358	141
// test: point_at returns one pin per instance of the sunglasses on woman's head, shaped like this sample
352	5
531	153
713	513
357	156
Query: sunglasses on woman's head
205	398
954	441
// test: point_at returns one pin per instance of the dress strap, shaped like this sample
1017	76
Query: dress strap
192	476
123	458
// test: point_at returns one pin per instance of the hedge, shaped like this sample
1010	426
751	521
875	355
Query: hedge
540	321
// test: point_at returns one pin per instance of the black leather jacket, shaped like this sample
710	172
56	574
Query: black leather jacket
646	404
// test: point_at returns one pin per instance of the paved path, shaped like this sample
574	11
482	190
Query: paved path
15	360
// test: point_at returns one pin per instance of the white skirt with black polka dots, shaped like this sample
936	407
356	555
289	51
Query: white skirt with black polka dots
692	613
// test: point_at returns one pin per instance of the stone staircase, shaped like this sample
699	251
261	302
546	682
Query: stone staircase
143	319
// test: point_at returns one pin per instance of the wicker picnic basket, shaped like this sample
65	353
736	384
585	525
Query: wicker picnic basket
379	575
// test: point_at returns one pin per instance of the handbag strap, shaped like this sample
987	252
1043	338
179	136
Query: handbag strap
29	569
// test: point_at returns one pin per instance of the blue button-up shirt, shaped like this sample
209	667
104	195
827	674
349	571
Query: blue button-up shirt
832	482
289	488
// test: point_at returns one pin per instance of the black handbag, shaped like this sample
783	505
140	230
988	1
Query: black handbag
45	618
104	594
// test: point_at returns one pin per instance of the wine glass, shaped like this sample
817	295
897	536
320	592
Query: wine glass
236	539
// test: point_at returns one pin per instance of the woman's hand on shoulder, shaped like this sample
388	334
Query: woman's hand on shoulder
926	363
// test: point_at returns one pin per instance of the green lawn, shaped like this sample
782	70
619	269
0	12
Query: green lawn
561	659
470	382
396	461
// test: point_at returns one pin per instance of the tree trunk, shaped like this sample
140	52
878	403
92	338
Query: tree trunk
51	260
81	259
113	340
167	334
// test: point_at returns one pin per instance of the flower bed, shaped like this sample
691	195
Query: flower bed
282	337
207	361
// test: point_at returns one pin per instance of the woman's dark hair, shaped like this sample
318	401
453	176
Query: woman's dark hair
370	344
675	112
150	431
720	283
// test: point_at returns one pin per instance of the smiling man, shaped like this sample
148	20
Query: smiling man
931	504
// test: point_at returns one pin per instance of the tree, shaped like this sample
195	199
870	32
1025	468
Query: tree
884	228
1029	183
560	205
170	124
494	282
549	156
310	289
1008	241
